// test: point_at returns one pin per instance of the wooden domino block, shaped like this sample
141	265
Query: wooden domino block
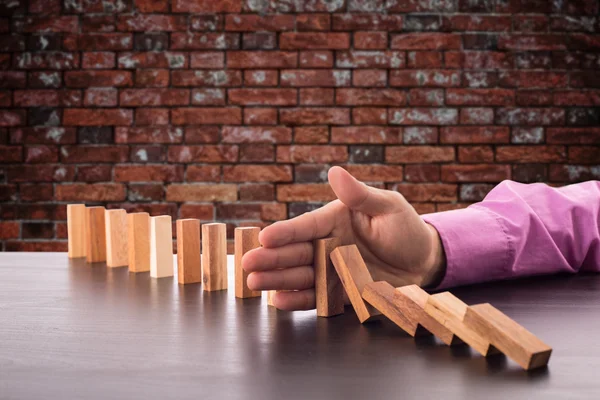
161	246
413	299
76	231
354	275
116	238
138	225
245	239
328	287
450	311
95	234
270	294
188	251
381	295
214	256
508	336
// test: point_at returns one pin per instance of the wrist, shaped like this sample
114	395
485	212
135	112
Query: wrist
435	267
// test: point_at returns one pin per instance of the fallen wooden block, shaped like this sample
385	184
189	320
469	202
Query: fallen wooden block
413	299
138	225
354	275
508	336
450	311
214	256
188	251
95	234
161	246
76	231
116	238
245	239
328	287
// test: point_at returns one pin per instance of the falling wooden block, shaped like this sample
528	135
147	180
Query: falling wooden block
138	225
76	231
381	295
413	299
245	239
188	251
328	287
354	275
161	246
508	336
450	311
95	234
214	256
116	238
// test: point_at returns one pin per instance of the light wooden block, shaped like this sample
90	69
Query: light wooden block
508	336
116	238
329	290
214	256
412	299
270	294
76	231
450	311
95	234
245	239
354	275
188	251
161	246
139	241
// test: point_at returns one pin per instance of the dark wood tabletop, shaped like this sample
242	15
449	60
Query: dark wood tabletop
72	330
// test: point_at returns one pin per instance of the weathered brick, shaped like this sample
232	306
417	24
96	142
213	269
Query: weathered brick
497	23
521	135
257	173
530	116
153	59
273	97
574	173
149	23
317	96
148	173
532	98
98	60
583	116
370	40
423	116
100	97
531	154
150	41
94	173
206	6
420	135
371	97
475	173
93	154
419	154
370	59
256	153
207	60
257	192
43	135
208	97
474	134
426	191
206	153
262	59
203	173
47	97
260	116
199	192
425	41
39	154
90	192
369	78
476	116
147	154
152	78
305	192
533	79
98	23
276	134
426	78
259	40
369	115
532	42
145	192
362	154
212	78
310	173
314	116
254	22
150	134
365	22
204	41
206	116
313	40
50	60
366	134
261	77
12	117
94	117
584	154
311	134
206	22
474	191
426	97
316	77
313	22
475	154
154	97
571	135
98	42
312	154
83	79
316	59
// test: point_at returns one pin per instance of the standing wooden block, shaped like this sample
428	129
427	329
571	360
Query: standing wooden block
270	294
354	275
509	337
413	299
328	287
161	246
245	239
214	256
449	311
139	242
95	234
76	230
116	238
188	251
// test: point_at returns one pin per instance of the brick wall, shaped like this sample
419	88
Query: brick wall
233	110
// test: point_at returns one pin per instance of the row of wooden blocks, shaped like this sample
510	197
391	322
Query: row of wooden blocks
144	243
482	326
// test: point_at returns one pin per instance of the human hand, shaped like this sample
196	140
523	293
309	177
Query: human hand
396	244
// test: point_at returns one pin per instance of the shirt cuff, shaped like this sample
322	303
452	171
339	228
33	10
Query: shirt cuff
476	245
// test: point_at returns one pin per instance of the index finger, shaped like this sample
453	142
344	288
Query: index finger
308	226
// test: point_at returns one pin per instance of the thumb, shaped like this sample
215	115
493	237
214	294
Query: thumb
360	197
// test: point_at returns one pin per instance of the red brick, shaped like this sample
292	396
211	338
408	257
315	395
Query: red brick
475	154
533	79
9	230
98	42
150	134
474	134
475	191
369	115
145	192
95	117
43	135
47	97
426	191
584	42
206	6
316	41
40	154
150	23
105	97
529	98
418	154
315	77
151	6
532	42
305	192
420	135
257	153
425	78
311	134
585	79
152	78
530	23
476	116
235	134
98	60
584	154
12	79
148	173
366	134
370	40
531	154
50	60
316	59
196	192
90	192
204	41
426	41
206	116
98	23
375	173
206	22
36	192
37	230
257	173
207	60
317	96
477	23
480	97
369	78
424	59
52	23
201	211
11	154
475	173
422	173
94	173
262	59
423	116
488	60
426	97
257	192
12	117
312	154
216	78
154	97
260	116
530	116
93	154
208	97
202	134
203	173
313	22
83	79
314	116
153	59
261	78
371	97
206	153
587	135
254	22
276	97
370	59
360	22
576	98
574	173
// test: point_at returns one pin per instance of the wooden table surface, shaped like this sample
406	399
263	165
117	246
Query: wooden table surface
70	330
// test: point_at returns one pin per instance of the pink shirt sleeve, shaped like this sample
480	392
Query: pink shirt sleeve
521	230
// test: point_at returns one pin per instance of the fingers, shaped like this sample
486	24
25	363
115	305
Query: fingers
306	227
360	197
297	300
291	255
296	278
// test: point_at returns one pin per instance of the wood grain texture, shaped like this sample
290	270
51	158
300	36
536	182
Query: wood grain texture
270	294
116	238
508	336
161	246
138	225
95	234
245	239
450	311
329	290
188	251
76	231
413	299
354	275
214	256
